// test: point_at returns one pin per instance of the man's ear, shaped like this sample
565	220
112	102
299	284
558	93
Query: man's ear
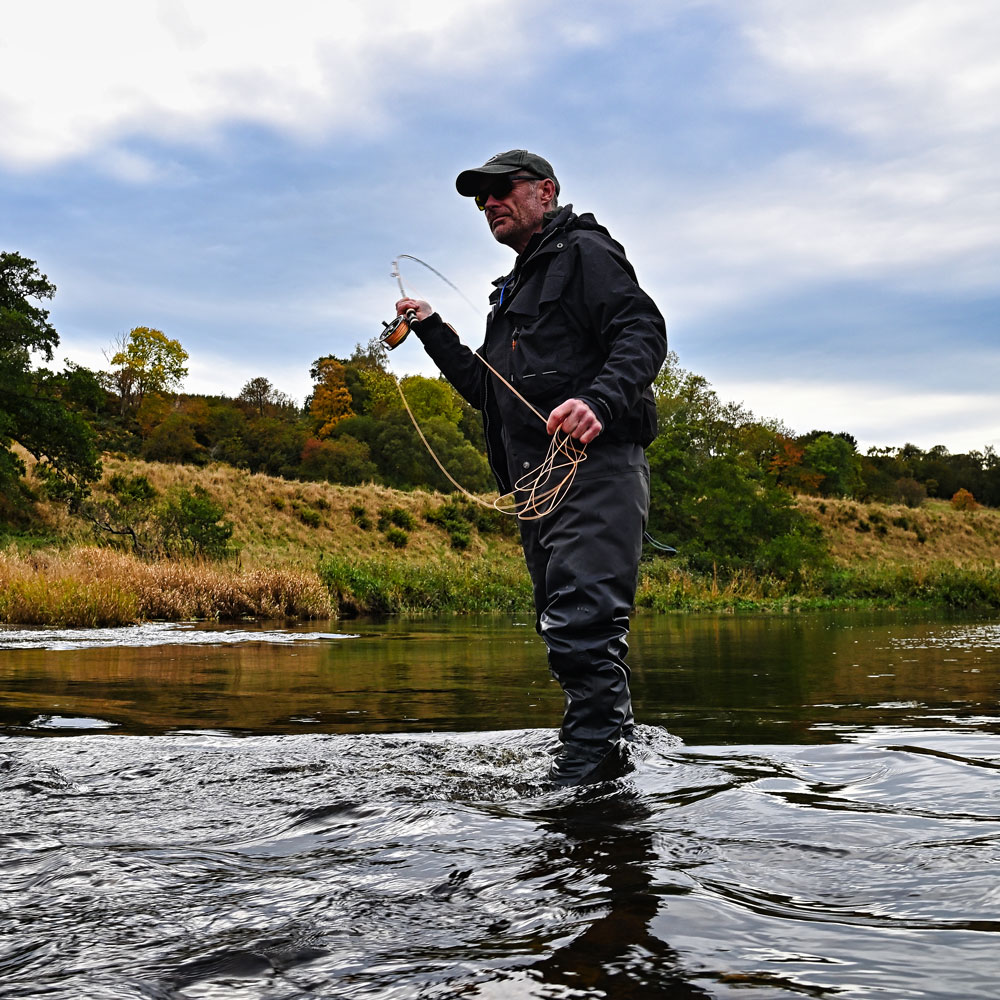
547	190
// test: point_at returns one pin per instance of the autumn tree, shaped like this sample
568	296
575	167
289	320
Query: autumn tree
964	500
331	400
145	361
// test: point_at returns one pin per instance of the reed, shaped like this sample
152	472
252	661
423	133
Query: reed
388	585
918	584
393	586
97	586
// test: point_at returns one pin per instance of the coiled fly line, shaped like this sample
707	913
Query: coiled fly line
543	487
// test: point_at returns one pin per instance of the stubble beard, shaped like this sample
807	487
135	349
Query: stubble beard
513	232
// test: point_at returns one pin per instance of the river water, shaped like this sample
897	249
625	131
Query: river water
357	810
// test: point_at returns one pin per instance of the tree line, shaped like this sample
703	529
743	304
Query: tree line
722	480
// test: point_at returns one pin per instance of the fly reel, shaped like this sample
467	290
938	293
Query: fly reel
394	333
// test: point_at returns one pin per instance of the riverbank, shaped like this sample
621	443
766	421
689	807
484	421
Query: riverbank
90	586
315	550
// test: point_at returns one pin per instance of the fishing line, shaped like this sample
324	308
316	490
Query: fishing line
563	457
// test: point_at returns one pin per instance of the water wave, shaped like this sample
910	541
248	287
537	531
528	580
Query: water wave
152	634
442	865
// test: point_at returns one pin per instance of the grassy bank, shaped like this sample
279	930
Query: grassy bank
315	549
92	586
392	586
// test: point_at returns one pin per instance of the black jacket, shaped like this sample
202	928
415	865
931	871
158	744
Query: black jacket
570	321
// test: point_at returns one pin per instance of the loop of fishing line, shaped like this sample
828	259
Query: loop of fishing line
540	498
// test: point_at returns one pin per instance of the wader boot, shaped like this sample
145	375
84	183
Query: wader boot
584	559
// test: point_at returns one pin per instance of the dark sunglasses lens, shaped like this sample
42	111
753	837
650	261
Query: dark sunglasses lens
499	188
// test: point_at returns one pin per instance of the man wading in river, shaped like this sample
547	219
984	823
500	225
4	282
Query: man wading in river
570	329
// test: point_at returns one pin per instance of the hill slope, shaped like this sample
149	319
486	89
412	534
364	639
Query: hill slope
279	522
859	533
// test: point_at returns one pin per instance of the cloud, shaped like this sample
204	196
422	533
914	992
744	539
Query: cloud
884	125
898	68
877	413
78	77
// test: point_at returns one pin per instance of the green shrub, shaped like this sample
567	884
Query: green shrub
191	523
458	518
395	515
309	517
360	517
397	537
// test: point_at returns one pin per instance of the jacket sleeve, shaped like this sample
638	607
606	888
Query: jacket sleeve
626	323
457	362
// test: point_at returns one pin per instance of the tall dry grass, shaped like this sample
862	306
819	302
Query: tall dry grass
860	534
101	587
291	523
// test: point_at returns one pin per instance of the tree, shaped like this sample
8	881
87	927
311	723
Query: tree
331	399
343	459
431	397
24	327
184	523
173	440
145	361
193	524
713	487
258	394
37	405
964	500
833	458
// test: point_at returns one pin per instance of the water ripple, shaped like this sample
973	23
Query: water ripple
152	634
285	867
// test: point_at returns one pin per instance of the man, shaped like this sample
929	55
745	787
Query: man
572	331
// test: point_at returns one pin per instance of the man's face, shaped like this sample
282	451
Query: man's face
516	216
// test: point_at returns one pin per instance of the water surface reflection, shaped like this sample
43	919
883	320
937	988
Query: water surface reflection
725	679
284	814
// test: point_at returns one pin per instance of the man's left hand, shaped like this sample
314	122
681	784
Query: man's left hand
575	418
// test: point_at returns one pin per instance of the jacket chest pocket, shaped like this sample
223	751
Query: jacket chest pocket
545	346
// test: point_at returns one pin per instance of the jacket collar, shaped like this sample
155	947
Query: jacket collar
554	222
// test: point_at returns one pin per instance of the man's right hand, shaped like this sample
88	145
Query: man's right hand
421	308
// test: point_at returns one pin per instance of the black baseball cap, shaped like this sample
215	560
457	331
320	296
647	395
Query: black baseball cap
470	182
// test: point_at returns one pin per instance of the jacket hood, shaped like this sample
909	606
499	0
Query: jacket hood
568	221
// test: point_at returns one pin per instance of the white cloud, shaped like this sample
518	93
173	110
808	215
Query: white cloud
876	413
78	76
896	67
901	186
922	224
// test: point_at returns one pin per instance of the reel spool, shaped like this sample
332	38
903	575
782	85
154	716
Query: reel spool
397	331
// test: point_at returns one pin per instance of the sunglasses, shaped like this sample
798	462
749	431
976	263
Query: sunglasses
501	187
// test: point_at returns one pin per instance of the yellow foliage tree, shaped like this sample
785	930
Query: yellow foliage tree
144	362
331	399
430	397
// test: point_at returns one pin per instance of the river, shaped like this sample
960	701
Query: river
357	810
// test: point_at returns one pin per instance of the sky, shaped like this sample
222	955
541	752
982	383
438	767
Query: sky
810	191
